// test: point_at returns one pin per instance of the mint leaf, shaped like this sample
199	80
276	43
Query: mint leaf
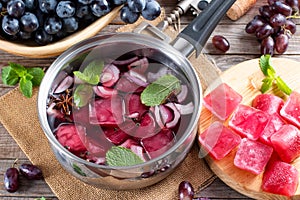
158	91
19	69
120	156
82	95
265	65
91	74
37	74
267	84
283	86
26	87
9	76
78	170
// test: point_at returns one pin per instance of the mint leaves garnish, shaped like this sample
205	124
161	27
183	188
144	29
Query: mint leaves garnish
82	94
26	77
271	77
158	91
120	156
91	74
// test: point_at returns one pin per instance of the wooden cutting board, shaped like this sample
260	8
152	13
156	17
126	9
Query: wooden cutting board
245	78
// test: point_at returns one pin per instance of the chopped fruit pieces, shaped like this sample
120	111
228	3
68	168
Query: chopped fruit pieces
291	109
286	142
249	122
280	178
252	156
219	140
222	101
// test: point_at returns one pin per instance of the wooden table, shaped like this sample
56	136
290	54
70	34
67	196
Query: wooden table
243	47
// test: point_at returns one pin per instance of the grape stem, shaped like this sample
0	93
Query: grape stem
15	162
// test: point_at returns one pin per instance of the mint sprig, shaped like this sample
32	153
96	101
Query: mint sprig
121	156
91	74
158	91
26	77
271	76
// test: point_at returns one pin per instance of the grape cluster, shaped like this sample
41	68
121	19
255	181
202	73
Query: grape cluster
46	21
273	27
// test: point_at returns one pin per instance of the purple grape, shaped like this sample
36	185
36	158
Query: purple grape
15	8
291	26
266	11
264	32
282	8
277	20
281	43
152	10
254	24
221	43
31	171
267	46
186	191
11	179
294	4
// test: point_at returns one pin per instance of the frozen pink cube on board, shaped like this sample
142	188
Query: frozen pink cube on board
268	103
291	109
286	142
274	124
280	178
222	101
252	156
218	140
249	122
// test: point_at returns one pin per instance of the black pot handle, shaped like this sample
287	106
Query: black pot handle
200	29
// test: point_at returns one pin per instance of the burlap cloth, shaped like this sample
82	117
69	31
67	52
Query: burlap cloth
19	116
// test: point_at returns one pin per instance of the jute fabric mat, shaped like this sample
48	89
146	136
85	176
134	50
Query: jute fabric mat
19	116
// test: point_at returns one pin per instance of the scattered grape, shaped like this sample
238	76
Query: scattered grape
11	179
186	191
221	43
31	171
136	5
274	26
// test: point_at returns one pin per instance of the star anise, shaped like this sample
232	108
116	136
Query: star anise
64	102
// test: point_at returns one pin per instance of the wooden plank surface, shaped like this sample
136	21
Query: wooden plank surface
243	47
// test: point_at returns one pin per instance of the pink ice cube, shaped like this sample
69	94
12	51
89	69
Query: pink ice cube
291	109
219	140
252	156
280	178
222	101
286	142
249	122
268	103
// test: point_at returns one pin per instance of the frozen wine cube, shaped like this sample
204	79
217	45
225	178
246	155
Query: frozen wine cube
222	101
274	124
219	140
249	122
286	142
268	103
280	178
252	156
291	109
